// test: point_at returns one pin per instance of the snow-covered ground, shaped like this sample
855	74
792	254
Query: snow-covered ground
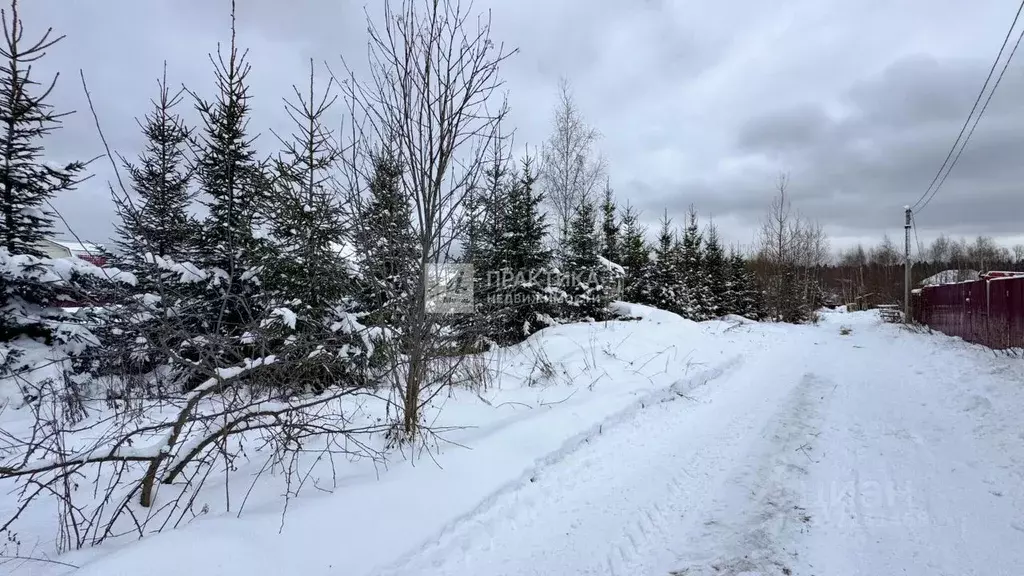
665	447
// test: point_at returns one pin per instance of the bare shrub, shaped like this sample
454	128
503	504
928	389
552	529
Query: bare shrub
543	370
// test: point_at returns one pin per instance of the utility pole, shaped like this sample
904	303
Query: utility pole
906	266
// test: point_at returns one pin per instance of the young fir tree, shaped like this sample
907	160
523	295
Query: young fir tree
746	296
588	290
491	255
472	227
611	248
483	211
691	268
27	184
583	243
306	274
729	302
659	284
387	244
155	224
306	224
234	187
156	220
498	180
232	180
524	301
714	264
635	253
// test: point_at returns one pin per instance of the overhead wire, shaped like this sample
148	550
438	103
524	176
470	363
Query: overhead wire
932	187
976	120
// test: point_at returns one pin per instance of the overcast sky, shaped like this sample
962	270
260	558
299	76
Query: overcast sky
699	102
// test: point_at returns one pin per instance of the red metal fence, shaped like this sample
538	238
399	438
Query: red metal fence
988	311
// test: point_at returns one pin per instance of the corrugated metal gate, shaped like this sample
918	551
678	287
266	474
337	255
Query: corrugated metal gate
988	312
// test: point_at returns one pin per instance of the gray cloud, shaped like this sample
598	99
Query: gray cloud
858	170
699	103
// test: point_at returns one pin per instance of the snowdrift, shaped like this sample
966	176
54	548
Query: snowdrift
538	401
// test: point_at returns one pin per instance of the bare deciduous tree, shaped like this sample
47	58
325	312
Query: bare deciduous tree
940	249
571	169
790	257
433	99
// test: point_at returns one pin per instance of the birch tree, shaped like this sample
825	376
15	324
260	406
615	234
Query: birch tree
572	169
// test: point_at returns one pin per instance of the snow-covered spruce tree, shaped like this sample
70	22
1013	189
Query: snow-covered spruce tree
155	219
730	299
522	302
659	284
492	260
387	246
491	251
234	186
588	289
691	268
636	254
471	229
230	177
305	270
155	225
745	294
305	278
715	272
611	245
25	120
29	284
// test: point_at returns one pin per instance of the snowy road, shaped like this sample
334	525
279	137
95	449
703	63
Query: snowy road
817	454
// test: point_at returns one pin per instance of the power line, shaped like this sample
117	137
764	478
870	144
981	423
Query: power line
978	118
1006	40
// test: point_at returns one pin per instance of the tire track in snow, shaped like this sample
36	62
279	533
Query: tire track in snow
634	547
521	503
759	513
632	556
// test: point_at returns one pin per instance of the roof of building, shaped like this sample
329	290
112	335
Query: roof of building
950	277
80	246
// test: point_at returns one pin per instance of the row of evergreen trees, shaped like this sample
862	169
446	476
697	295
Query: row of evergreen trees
523	282
510	246
689	272
260	274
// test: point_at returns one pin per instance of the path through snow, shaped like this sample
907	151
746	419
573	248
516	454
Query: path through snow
877	452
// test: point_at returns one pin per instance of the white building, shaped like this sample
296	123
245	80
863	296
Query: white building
64	249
